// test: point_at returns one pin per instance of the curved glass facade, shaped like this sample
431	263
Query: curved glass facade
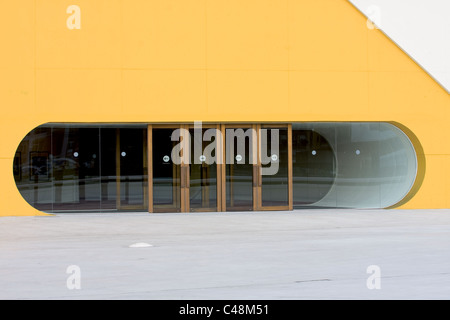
314	166
80	167
117	167
354	165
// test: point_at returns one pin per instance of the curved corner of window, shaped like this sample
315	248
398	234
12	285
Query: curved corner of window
362	165
63	167
417	149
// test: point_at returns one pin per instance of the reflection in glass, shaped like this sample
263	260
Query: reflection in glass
377	165
166	173
239	169
34	170
364	164
274	186
203	170
70	167
314	167
108	146
133	178
65	167
76	169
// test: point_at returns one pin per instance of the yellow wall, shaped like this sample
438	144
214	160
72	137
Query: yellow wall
210	60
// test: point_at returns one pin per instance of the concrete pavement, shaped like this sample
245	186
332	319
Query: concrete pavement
303	254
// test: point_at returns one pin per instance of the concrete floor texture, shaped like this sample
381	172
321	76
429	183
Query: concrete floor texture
301	254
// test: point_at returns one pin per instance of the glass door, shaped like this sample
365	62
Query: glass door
167	174
240	167
274	179
131	168
232	167
204	188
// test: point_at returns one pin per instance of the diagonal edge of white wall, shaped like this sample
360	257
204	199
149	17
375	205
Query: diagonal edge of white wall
421	28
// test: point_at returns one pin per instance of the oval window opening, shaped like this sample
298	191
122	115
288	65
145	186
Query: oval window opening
103	167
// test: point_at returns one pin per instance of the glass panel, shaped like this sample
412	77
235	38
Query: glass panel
33	169
314	166
108	171
239	168
75	159
274	164
133	179
374	164
398	164
166	173
73	167
203	169
60	167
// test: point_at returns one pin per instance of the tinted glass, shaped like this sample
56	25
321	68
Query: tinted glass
67	167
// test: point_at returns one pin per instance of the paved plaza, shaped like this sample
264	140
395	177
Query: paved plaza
302	254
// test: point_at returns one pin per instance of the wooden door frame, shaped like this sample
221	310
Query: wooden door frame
219	160
151	207
145	203
259	205
243	125
221	165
